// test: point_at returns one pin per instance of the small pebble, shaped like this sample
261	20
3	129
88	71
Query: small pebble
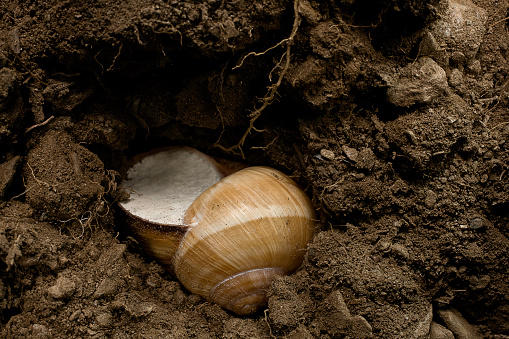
383	245
75	315
479	283
484	178
104	319
419	82
455	78
476	223
351	153
327	154
108	286
366	159
474	67
400	250
63	288
430	199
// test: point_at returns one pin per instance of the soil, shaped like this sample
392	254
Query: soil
411	188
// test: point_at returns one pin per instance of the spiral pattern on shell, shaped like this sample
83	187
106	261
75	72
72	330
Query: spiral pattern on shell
244	230
225	236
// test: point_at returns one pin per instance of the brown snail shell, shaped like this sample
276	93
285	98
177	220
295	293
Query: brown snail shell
235	237
155	215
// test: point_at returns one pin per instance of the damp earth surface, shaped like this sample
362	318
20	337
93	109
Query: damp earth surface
392	115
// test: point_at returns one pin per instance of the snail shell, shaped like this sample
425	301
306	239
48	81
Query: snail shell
163	183
236	236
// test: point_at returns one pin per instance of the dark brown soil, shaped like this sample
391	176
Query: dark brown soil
413	199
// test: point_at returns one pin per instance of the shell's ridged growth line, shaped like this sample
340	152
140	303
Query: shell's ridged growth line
234	237
254	219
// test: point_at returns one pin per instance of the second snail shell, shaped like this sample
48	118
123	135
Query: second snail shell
236	236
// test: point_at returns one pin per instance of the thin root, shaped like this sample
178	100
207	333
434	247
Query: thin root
268	324
499	21
501	124
272	90
256	54
40	182
115	58
266	146
40	124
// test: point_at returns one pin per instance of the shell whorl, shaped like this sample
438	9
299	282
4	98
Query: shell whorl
246	292
244	230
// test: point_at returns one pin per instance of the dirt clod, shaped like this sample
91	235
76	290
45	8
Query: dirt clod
62	178
63	288
419	82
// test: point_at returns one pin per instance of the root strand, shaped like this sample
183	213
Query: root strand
272	90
